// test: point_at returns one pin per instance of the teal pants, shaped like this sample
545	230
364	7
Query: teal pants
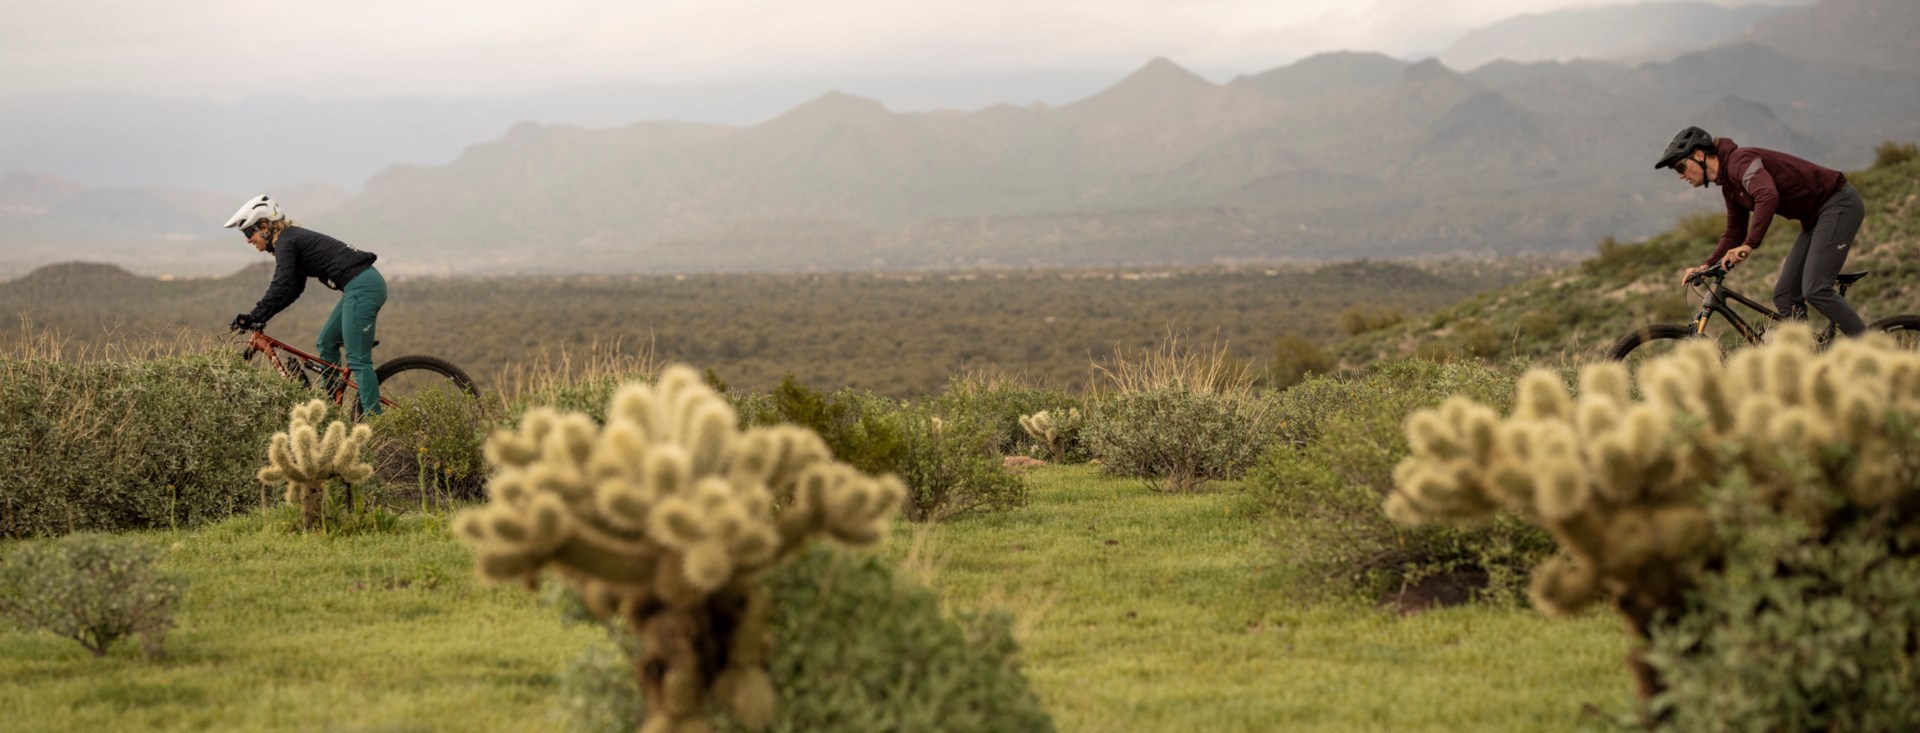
352	324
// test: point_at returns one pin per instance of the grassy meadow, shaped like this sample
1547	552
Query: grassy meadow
1137	611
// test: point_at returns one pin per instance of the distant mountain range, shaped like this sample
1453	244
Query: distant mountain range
1336	156
1623	33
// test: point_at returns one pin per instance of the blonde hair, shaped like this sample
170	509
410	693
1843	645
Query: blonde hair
271	230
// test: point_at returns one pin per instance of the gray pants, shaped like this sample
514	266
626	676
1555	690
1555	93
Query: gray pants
1807	277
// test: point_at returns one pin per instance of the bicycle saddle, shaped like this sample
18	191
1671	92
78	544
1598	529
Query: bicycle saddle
1849	278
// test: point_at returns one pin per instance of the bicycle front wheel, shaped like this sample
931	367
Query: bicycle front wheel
1650	341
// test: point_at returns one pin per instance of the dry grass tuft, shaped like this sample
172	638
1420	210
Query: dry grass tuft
1209	369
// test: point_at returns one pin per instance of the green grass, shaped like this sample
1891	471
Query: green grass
281	632
1141	611
1138	612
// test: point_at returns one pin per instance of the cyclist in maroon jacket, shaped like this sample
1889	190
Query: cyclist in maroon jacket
1757	184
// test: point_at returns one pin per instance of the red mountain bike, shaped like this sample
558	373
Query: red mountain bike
400	378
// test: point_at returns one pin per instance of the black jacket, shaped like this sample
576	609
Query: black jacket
299	254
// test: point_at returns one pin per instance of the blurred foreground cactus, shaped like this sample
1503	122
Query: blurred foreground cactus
305	459
1621	483
667	517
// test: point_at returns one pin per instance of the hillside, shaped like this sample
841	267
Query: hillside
1575	314
1875	34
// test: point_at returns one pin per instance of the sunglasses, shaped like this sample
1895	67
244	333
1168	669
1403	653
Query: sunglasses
248	231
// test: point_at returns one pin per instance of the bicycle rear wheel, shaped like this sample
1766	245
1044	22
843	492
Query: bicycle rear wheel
1905	330
428	441
408	377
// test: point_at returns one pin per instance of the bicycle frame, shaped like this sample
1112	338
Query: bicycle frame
1717	301
258	342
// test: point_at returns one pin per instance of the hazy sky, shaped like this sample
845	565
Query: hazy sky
366	48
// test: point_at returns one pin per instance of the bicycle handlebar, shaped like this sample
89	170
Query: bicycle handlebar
1716	271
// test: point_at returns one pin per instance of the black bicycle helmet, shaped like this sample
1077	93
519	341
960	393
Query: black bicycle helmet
1683	145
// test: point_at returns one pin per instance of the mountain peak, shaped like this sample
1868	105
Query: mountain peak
1159	82
1429	70
1336	71
834	108
1162	75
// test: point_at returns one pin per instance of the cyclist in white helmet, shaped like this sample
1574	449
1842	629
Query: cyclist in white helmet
300	253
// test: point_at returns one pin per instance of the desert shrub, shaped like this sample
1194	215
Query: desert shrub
1477	338
433	442
857	426
1174	364
1295	358
1177	438
1889	154
1795	632
855	648
1324	482
1625	484
998	407
1540	325
115	445
587	395
1361	318
92	588
950	466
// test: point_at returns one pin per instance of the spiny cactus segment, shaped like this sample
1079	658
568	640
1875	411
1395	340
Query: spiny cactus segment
1619	482
305	459
667	516
1046	427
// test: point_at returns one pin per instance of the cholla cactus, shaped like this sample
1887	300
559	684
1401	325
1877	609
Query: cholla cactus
667	517
1619	483
305	460
1048	428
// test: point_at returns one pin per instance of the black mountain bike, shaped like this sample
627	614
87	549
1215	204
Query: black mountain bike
1718	298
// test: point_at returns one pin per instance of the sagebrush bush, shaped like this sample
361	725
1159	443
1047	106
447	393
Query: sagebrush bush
108	446
1826	440
92	588
1325	479
856	649
665	518
1177	438
950	467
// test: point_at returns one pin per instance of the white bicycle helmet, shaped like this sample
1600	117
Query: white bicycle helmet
257	209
